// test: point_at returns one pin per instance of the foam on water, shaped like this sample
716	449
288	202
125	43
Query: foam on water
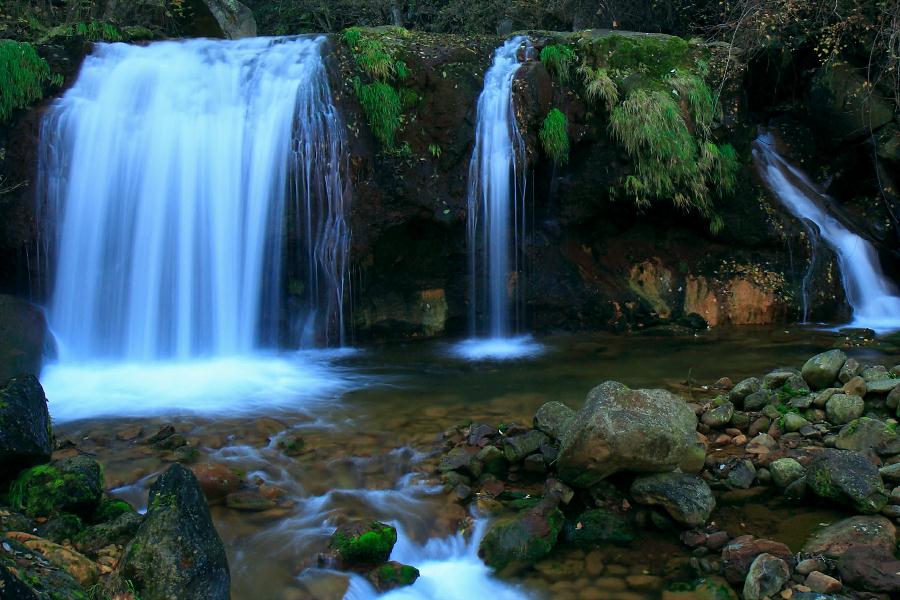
221	386
499	348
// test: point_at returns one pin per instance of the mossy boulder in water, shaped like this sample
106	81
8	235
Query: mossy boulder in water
392	575
177	553
822	370
523	539
364	543
847	477
73	485
24	426
619	429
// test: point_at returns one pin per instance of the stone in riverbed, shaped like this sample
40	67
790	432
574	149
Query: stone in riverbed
517	447
599	525
821	583
363	543
740	553
882	386
757	401
522	539
865	434
73	485
27	575
719	415
687	498
83	570
23	338
118	531
554	419
822	370
855	387
786	471
741	475
177	553
792	422
766	577
619	429
849	478
216	480
861	569
743	389
392	575
843	408
876	535
24	426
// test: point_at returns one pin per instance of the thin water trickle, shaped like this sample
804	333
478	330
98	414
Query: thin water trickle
875	301
169	173
496	214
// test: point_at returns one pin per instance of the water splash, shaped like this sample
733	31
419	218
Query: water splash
496	213
172	174
874	299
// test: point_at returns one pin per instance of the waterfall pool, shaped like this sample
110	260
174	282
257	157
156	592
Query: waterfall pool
367	452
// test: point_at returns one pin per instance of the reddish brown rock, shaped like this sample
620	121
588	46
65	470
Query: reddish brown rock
216	480
740	553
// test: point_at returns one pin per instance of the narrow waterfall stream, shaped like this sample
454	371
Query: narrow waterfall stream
496	214
875	301
171	173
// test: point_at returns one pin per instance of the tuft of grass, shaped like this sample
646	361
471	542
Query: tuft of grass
555	136
599	86
22	76
558	59
383	109
700	101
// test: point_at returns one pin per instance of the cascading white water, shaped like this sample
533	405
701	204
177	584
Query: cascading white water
496	211
170	174
874	299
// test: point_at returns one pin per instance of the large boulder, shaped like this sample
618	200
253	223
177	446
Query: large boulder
619	429
875	535
864	570
23	335
72	485
363	543
177	553
522	539
687	498
232	18
847	477
24	426
822	370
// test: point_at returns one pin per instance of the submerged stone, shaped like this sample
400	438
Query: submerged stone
687	498
392	575
599	525
523	539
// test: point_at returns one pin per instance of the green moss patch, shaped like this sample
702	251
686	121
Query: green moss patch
362	544
23	75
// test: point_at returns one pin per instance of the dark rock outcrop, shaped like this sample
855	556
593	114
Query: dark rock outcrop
25	437
23	334
177	553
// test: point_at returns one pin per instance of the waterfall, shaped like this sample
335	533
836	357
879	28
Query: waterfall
186	187
873	298
496	208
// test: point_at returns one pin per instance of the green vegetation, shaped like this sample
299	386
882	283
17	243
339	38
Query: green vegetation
398	576
555	136
558	59
22	77
435	150
370	546
383	100
661	112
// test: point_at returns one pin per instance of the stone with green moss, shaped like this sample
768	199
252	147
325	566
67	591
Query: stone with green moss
119	530
25	437
599	525
73	485
521	540
364	543
111	508
848	478
27	575
843	408
392	575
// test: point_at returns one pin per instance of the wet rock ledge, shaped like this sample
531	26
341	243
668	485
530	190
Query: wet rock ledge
636	465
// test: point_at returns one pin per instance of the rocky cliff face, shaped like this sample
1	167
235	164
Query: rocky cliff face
594	259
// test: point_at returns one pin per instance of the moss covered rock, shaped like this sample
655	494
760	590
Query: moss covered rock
847	477
522	539
177	553
27	575
392	575
119	530
599	525
73	485
364	543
